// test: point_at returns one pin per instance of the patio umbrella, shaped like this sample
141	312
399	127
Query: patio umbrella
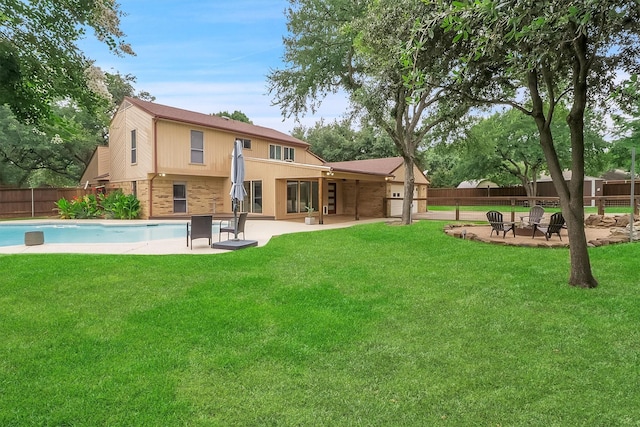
237	192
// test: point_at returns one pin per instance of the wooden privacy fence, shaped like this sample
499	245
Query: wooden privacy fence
35	202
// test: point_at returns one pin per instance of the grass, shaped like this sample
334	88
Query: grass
372	325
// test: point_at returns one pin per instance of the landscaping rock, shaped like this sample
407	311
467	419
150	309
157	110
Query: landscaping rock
593	220
607	221
622	221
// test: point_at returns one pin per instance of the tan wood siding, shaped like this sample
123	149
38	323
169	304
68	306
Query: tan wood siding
91	171
174	150
104	161
123	123
260	149
419	177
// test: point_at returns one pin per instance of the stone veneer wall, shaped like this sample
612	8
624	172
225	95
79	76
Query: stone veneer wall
202	194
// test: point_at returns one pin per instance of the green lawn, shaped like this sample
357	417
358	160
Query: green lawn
372	325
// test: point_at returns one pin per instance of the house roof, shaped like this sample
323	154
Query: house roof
385	166
206	120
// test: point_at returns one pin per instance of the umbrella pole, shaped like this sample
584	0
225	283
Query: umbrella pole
235	219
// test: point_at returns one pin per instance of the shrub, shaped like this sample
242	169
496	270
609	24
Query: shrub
79	207
120	206
113	205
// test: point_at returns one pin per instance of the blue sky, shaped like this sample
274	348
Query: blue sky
207	56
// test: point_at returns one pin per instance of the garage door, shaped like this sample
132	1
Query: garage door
397	190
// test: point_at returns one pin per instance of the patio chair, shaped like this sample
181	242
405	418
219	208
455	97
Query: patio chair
498	225
230	228
535	215
556	223
199	228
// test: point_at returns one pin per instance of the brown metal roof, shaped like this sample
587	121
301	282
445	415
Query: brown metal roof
384	166
240	128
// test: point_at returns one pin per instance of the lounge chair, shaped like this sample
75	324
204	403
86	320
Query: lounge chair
199	228
498	225
556	223
534	217
230	228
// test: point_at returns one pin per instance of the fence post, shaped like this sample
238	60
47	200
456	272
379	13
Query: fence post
457	210
513	210
601	202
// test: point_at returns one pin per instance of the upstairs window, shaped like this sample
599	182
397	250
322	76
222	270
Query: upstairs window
197	147
134	148
278	152
246	143
289	154
275	152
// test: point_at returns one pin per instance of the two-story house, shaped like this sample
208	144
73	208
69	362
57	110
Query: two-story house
178	163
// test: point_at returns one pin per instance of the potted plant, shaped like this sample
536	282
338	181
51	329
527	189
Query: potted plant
310	220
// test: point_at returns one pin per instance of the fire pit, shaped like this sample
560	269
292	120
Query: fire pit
525	230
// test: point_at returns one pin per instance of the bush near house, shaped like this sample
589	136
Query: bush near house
114	205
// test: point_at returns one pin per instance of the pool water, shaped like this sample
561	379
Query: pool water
13	234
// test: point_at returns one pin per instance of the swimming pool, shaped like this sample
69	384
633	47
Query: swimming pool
60	232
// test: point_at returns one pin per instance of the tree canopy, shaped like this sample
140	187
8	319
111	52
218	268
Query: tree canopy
504	148
40	61
339	141
236	115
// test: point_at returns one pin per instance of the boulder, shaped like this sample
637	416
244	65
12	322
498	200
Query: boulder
622	221
593	220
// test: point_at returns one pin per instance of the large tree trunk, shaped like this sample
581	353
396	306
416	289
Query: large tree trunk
571	195
571	202
409	183
581	274
531	188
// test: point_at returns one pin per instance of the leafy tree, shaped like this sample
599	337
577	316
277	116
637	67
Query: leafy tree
339	142
236	115
547	53
627	124
25	149
354	47
441	162
120	86
504	147
40	61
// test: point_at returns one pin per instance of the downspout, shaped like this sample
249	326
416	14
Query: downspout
155	164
